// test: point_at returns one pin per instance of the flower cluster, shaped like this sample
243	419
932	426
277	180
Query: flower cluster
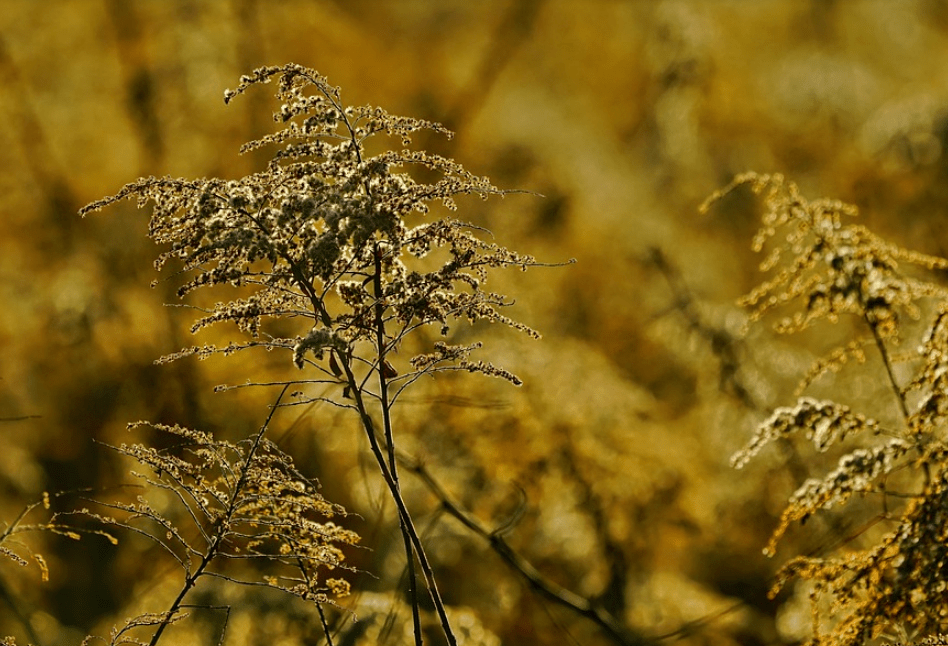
245	501
835	268
827	269
824	422
339	241
899	580
324	233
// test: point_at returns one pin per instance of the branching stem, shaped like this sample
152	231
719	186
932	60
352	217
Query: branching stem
222	527
405	517
552	591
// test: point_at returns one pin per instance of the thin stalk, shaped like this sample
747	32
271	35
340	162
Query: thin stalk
549	589
880	344
381	351
325	624
383	396
408	525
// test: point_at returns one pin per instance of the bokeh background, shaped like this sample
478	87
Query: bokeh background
624	115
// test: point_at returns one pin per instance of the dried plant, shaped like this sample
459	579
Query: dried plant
15	550
893	571
244	502
332	238
22	553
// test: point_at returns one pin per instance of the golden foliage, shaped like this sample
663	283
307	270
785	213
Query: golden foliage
826	269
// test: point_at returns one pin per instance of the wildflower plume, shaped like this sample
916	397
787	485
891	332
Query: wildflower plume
826	268
326	234
346	238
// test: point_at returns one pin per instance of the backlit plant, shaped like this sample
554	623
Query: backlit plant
892	571
331	237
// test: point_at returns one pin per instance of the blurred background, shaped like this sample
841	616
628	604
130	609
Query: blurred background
624	115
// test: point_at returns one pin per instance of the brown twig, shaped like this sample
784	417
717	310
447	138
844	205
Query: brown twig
552	591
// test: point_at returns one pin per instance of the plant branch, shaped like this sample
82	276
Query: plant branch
382	351
884	353
405	517
552	591
222	527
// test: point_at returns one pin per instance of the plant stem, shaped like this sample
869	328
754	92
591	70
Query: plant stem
552	591
880	344
408	526
389	436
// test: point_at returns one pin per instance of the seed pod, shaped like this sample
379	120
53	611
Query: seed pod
388	370
333	365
